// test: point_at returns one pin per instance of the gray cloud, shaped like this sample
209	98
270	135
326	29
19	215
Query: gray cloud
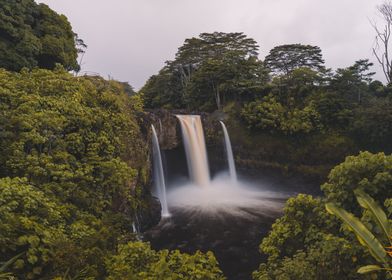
131	39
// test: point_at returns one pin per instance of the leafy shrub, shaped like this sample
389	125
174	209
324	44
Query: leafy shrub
138	261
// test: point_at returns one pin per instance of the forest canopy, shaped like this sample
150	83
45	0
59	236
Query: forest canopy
33	35
73	175
75	160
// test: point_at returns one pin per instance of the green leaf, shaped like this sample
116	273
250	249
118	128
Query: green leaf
9	262
362	233
379	215
369	268
6	276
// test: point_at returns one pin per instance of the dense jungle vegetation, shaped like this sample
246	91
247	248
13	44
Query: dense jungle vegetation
74	167
74	164
308	117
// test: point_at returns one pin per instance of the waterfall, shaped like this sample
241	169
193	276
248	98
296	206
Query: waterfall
159	179
134	228
160	127
229	152
195	149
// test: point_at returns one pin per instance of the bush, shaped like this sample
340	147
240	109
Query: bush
138	261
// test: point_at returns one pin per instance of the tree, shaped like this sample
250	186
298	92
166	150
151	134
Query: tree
215	46
353	82
210	69
335	111
305	243
371	125
137	260
381	49
77	144
285	58
81	48
370	172
308	243
219	80
163	90
33	35
30	221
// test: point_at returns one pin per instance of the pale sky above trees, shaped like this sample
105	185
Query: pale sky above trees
131	39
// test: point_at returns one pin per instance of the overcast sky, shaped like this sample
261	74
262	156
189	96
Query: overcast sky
131	39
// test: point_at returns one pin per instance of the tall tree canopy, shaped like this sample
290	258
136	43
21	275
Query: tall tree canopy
285	58
354	80
33	35
207	71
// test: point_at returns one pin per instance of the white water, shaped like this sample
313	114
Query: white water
135	230
159	179
224	198
220	197
229	152
195	149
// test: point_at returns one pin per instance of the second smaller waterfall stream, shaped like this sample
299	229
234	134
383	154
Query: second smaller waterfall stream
230	157
159	179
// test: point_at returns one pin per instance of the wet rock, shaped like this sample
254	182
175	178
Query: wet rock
149	216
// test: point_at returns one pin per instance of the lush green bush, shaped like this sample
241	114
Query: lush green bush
138	261
78	162
30	222
76	143
372	125
369	172
272	116
306	243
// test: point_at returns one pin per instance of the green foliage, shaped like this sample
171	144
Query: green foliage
207	72
267	114
377	213
138	261
328	259
163	90
30	221
286	58
353	81
301	222
372	124
270	115
74	137
369	172
305	243
33	35
76	143
4	267
336	113
365	237
77	158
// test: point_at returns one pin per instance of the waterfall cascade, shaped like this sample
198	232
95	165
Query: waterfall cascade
195	149
229	152
159	179
136	227
203	195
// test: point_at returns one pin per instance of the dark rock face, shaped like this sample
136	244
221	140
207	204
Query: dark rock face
167	127
169	130
150	215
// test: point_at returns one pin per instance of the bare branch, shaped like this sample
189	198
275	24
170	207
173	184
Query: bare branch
381	52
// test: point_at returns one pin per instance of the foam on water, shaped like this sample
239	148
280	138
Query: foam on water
224	197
